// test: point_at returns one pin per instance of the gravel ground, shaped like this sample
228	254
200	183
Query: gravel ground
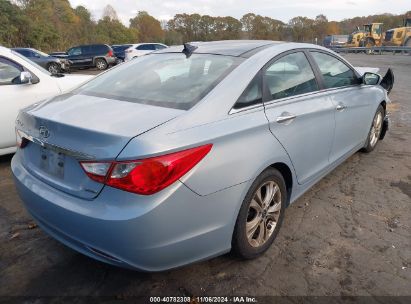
350	235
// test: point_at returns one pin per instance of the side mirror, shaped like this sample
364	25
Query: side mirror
25	77
370	78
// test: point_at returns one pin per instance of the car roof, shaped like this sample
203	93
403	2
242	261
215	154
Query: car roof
238	48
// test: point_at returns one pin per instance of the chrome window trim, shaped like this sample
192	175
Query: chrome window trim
275	101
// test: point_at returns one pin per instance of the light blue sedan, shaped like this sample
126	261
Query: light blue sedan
190	152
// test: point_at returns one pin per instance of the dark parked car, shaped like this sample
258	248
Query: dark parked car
120	51
52	64
100	56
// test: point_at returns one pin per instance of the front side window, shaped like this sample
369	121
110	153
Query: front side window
9	72
289	76
167	80
74	51
335	73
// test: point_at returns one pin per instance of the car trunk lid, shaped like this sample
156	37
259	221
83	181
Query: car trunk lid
71	128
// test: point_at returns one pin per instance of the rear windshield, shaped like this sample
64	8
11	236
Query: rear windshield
168	80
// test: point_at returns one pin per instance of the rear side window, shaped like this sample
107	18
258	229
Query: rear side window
335	73
289	76
252	95
146	47
160	47
100	49
87	49
168	80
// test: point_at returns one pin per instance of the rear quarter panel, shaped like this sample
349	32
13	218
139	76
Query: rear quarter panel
242	148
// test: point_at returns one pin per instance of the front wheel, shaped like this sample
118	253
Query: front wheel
261	215
53	68
101	64
375	131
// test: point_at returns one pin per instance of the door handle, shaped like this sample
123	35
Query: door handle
340	107
285	116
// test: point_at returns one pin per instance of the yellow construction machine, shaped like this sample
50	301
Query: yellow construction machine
400	36
370	35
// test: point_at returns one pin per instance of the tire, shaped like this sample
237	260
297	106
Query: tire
375	130
53	68
253	244
101	64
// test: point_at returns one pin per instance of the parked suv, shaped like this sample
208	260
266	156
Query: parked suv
140	49
100	56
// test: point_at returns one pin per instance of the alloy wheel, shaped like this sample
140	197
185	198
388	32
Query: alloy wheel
376	129
263	213
53	69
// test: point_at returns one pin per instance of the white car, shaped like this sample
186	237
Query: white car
140	49
22	83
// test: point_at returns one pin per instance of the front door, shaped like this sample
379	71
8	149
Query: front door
300	116
352	103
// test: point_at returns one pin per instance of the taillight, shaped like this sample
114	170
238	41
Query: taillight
96	171
110	53
146	176
21	141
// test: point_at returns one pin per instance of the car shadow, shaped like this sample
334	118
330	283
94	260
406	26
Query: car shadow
6	158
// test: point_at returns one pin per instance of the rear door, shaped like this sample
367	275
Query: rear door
351	101
87	55
300	116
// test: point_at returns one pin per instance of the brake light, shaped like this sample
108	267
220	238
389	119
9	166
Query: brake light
146	176
110	53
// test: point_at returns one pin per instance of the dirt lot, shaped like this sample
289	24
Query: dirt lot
350	235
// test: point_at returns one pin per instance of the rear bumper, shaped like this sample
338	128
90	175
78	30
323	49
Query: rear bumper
152	233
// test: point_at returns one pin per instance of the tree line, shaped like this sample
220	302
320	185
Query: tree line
51	25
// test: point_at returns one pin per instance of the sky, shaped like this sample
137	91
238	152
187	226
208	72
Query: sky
282	10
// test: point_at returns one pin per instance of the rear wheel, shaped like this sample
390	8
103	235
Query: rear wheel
375	131
261	215
101	64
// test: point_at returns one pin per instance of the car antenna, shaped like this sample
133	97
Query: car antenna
189	49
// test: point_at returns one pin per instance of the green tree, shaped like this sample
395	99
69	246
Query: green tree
112	31
148	28
13	25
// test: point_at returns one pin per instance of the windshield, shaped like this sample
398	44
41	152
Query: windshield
168	80
32	63
367	28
